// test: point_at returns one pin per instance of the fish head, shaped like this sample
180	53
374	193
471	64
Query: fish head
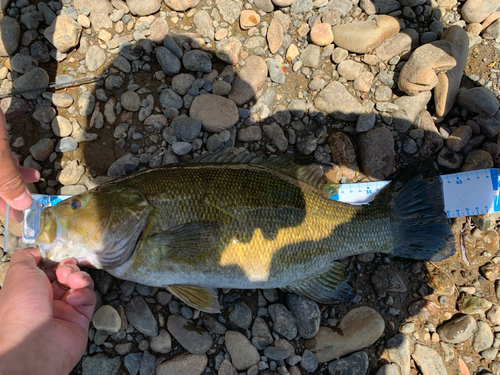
99	228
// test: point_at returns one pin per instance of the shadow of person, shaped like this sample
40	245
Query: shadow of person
168	97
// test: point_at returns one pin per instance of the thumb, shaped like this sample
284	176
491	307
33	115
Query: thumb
13	190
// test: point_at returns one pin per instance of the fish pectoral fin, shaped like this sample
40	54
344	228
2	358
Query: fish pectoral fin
198	297
185	241
325	287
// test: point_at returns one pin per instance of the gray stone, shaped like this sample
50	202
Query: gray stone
428	360
241	315
187	128
23	63
458	329
171	45
142	7
63	33
36	77
243	353
95	57
310	57
181	148
376	153
66	144
48	13
276	354
86	103
161	343
477	159
355	364
42	149
229	10
483	337
10	34
197	61
336	101
306	313
44	114
301	6
182	82
459	138
185	364
283	321
148	363
261	334
478	99
106	318
40	51
170	99
448	159
204	25
131	101
275	71
477	10
216	113
365	122
140	316
371	7
132	363
409	108
195	340
490	126
169	62
275	132
100	364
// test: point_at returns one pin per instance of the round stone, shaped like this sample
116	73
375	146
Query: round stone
216	113
131	101
107	319
321	34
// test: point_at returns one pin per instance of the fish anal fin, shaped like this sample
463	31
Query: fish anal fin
199	297
325	287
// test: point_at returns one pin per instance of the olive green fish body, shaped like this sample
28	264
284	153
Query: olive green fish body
242	223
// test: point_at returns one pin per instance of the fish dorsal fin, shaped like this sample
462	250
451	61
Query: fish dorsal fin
325	287
198	297
311	174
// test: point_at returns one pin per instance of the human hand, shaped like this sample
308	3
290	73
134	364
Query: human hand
13	178
43	323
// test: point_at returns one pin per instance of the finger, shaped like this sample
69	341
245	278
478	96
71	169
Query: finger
23	271
80	280
29	174
51	271
60	285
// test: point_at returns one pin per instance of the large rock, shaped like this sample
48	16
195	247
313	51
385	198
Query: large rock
480	100
448	84
336	101
376	153
478	10
10	33
215	112
362	37
360	328
64	33
100	11
421	71
403	42
409	108
36	77
249	80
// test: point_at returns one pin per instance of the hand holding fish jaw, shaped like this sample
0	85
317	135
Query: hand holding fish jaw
13	178
44	319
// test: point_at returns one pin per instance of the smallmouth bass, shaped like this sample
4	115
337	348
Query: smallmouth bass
227	221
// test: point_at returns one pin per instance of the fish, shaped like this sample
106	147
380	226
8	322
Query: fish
242	222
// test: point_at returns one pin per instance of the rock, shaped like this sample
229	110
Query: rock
360	328
321	34
194	339
421	71
459	138
86	103
250	134
44	114
71	174
275	35
100	364
66	144
10	34
283	321
169	62
493	314
336	101
203	24
64	33
106	318
311	56
364	36
216	113
343	154
241	315
13	107
433	141
308	361
275	132
170	99
376	153
409	108
364	82
365	122
448	159
261	335
131	101
186	364
40	51
36	77
140	316
249	19
95	58
187	128
243	353
229	10
350	69
490	126
306	313
275	71
23	63
390	369
229	51
457	330
355	364
379	6
264	5
428	360
181	5
446	90
197	61
143	7
158	29
479	100
181	83
42	149
403	42
478	10
301	6
483	337
399	347
477	159
249	80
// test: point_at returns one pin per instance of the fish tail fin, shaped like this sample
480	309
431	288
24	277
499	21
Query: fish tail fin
421	229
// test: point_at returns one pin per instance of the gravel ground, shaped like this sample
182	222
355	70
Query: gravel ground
366	87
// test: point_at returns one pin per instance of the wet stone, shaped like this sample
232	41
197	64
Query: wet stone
195	340
457	330
473	305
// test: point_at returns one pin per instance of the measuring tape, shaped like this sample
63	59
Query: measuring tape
465	193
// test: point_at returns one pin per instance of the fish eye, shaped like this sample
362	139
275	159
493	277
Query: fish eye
75	204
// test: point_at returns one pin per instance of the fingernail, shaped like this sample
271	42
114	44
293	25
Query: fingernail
23	201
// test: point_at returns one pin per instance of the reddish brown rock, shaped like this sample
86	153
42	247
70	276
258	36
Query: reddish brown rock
249	19
275	36
321	34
